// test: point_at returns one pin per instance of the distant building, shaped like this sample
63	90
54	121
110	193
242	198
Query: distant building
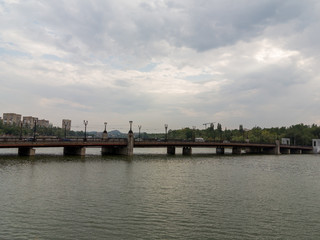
28	121
66	124
43	123
11	118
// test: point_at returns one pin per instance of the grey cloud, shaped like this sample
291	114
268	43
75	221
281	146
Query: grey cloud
104	26
157	38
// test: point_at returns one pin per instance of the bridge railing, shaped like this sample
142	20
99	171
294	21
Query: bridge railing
55	139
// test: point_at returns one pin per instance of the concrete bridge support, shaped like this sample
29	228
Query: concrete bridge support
254	150
275	150
186	151
120	150
271	151
236	150
171	150
220	150
285	151
26	151
74	151
130	144
111	150
306	151
296	151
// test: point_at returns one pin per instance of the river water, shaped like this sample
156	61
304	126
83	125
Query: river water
155	196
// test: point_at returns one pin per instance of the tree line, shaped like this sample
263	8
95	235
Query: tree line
299	134
17	131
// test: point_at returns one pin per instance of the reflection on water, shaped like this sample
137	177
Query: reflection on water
155	196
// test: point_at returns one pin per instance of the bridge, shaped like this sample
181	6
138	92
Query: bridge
125	146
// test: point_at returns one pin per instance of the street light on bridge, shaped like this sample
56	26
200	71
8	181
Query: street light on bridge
35	129
139	126
105	126
85	122
21	130
166	129
194	133
130	131
65	130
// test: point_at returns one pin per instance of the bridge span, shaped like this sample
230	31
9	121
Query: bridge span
125	146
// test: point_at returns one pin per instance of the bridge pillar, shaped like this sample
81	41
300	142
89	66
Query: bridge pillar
114	150
171	150
105	135
26	151
120	150
253	150
236	150
277	148
316	145
186	151
107	150
307	151
130	143
273	150
285	151
74	151
220	150
296	151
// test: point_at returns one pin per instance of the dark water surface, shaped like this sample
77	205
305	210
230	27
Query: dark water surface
160	197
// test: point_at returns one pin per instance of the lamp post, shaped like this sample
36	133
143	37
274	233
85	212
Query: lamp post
139	126
166	130
130	131
20	130
35	129
65	130
105	134
194	133
85	122
213	135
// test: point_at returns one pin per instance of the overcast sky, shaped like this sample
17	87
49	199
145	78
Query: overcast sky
183	62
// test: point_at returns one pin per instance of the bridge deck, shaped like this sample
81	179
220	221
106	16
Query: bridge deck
47	143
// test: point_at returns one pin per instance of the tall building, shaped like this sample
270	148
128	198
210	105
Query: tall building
43	123
66	124
28	121
11	118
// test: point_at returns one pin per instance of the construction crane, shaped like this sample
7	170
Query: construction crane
210	123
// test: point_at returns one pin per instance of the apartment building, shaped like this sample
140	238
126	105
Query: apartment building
28	121
43	123
11	118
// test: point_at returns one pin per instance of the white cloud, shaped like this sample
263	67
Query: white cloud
57	102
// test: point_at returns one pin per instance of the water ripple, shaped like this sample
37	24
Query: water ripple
252	197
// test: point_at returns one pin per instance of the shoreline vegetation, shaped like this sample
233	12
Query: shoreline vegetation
299	134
